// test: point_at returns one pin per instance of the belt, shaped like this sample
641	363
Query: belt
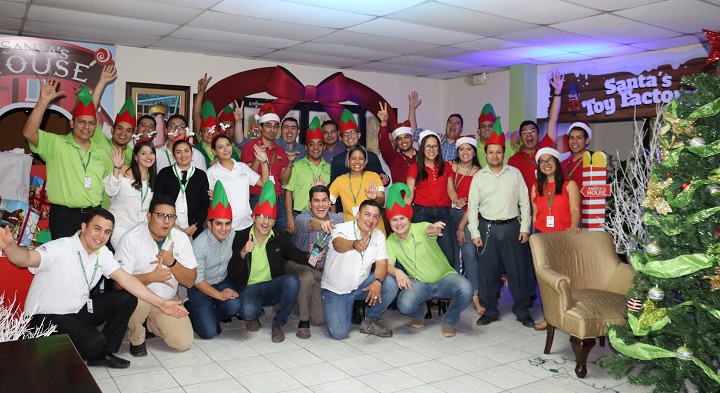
500	222
297	211
431	207
82	210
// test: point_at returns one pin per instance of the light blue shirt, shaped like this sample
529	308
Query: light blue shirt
212	256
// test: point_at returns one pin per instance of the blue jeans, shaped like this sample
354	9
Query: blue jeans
206	311
411	301
448	241
281	220
338	308
468	252
283	290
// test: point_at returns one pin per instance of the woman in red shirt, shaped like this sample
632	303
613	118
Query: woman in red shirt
432	192
555	200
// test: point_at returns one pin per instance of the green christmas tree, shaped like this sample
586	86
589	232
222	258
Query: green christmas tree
673	340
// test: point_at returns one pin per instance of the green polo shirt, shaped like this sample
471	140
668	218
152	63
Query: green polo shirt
259	265
509	151
419	255
67	165
301	181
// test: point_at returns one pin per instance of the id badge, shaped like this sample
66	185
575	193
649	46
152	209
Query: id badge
142	217
90	306
272	179
550	221
181	206
355	211
88	182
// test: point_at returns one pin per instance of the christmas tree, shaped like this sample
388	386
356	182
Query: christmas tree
672	339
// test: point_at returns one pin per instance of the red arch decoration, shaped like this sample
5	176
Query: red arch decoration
281	83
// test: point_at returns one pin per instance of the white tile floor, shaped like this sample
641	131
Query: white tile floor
501	357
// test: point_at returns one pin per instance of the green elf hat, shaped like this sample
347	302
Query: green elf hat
496	137
347	122
314	130
208	116
395	203
84	105
219	206
127	113
487	114
267	204
227	114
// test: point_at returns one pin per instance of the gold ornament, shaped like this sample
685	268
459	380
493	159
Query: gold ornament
679	126
651	314
655	199
714	280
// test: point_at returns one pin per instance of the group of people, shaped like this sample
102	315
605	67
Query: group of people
244	224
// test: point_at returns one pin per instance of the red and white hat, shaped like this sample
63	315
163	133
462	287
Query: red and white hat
402	129
267	113
581	125
466	139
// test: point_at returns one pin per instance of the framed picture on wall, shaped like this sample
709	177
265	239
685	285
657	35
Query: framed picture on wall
153	99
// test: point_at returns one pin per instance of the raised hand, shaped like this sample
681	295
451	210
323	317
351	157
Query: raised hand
414	99
371	191
239	114
203	83
318	181
361	245
160	274
249	246
108	74
557	82
260	153
166	256
6	237
435	229
292	155
383	114
48	91
117	158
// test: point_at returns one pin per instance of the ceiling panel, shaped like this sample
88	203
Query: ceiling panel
564	58
198	4
284	11
480	59
11	24
666	15
98	21
448	75
424	62
443	52
313	59
396	69
342	51
367	7
614	28
254	26
668	43
542	12
375	41
128	8
198	34
86	34
547	37
614	51
488	44
12	9
411	31
613	5
211	48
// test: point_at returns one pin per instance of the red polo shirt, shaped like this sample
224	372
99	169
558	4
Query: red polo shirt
527	164
399	163
277	158
432	192
573	170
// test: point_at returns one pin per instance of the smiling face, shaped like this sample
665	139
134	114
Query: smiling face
96	233
263	224
315	148
453	127
485	129
547	164
220	228
400	225
269	130
145	126
466	153
330	134
207	134
404	142
183	154
145	157
529	136
431	146
289	131
357	161
368	218
577	140
350	138
122	133
177	127
83	127
319	205
230	130
494	155
223	148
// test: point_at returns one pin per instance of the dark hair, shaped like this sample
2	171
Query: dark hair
178	142
177	116
527	123
289	119
369	202
146	117
218	136
319	188
326	122
458	116
161	200
98	211
559	179
581	129
485	148
135	167
353	149
474	160
439	162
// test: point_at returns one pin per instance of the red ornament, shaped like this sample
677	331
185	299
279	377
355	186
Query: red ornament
685	185
667	175
634	305
714	39
717	232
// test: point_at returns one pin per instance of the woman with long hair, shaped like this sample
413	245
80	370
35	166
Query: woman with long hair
555	200
464	167
237	178
432	192
357	186
188	186
130	188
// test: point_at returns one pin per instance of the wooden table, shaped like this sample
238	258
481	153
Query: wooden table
45	364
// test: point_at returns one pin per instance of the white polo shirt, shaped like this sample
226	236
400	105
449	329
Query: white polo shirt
344	272
237	186
137	249
60	286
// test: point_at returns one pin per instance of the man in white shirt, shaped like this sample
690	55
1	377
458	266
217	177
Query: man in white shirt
161	257
355	247
65	270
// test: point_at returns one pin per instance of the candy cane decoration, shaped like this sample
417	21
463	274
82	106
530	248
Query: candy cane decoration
594	190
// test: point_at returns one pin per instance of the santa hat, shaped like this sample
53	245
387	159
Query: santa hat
547	150
427	133
314	130
395	203
487	114
267	113
347	122
267	204
84	105
219	206
466	139
581	125
127	113
402	129
496	136
227	114
208	116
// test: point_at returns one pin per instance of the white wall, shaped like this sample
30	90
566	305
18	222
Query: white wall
468	100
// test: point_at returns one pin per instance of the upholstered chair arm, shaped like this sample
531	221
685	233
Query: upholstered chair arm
622	279
559	297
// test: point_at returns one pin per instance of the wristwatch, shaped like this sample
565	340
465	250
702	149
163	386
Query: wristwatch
380	280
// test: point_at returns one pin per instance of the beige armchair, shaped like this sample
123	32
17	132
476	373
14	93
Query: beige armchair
583	285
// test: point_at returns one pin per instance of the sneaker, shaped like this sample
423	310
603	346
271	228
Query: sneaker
448	331
253	326
417	323
278	335
370	326
303	330
138	350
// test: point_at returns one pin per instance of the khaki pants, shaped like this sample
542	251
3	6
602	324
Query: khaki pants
176	332
309	300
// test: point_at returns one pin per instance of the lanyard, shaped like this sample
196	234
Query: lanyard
82	265
549	196
82	161
171	161
271	162
568	172
355	196
525	155
405	159
143	196
357	237
456	182
177	175
322	166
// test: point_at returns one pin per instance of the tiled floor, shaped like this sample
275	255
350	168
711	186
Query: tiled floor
501	357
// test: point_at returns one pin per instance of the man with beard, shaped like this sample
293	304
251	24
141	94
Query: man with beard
330	137
399	160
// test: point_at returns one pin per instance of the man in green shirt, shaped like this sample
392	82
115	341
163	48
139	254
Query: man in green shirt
427	273
124	126
307	172
75	165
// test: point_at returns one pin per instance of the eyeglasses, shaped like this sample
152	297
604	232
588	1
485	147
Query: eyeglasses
528	132
432	147
349	133
266	218
549	161
272	126
165	216
176	126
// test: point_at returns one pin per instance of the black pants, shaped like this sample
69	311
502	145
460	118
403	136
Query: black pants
113	308
65	221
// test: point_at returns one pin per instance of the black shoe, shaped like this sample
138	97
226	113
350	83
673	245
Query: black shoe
428	309
443	305
218	330
138	350
527	322
229	320
358	314
485	320
108	360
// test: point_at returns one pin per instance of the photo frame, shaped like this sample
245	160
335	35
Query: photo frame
150	98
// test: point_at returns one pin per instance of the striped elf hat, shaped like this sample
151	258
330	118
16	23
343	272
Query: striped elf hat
267	205
219	206
496	137
208	116
84	105
314	130
347	122
227	114
127	113
395	203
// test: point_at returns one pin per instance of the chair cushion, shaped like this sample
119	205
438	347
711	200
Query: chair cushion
591	311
